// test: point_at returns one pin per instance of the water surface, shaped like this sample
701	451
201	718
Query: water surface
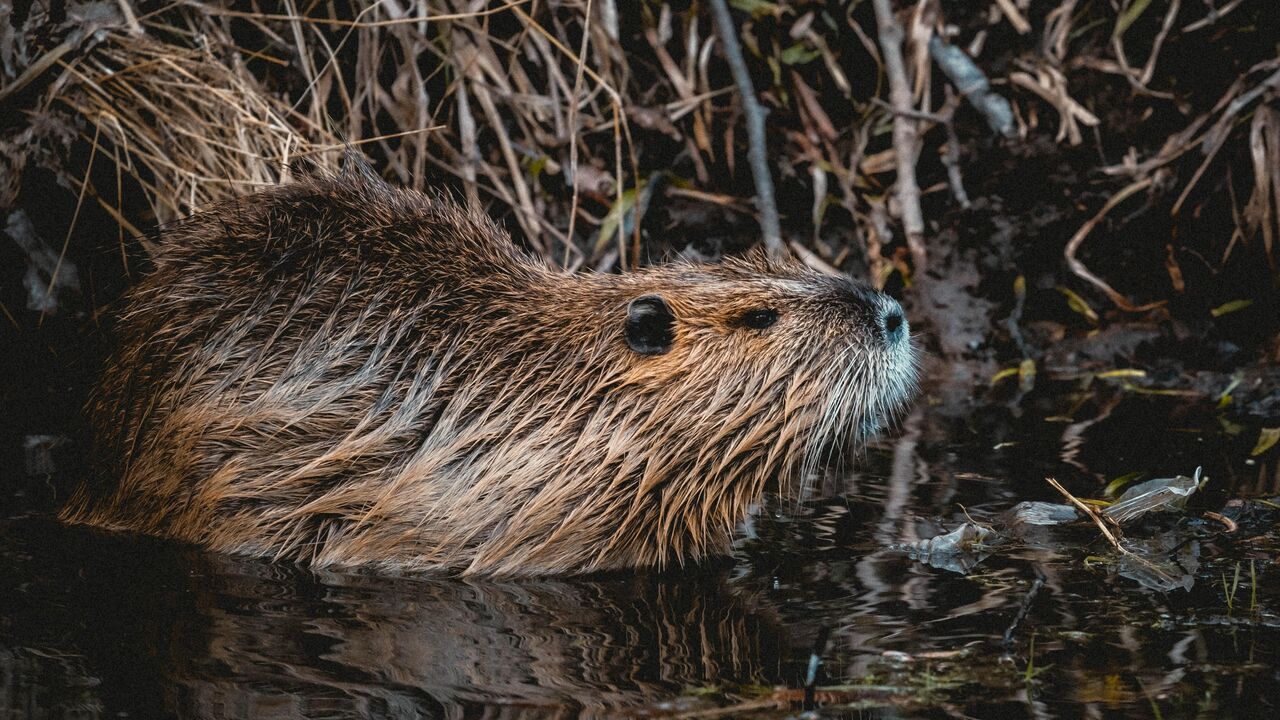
813	613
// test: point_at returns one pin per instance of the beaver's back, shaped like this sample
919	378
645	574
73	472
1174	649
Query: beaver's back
296	333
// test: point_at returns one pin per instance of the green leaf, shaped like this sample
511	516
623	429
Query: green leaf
1005	373
1078	304
1123	373
1129	16
609	227
1230	307
1266	440
536	166
799	54
756	8
1027	375
1113	487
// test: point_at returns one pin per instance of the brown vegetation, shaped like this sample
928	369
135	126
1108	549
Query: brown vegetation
1121	157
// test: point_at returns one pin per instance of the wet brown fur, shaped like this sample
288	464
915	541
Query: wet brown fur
343	373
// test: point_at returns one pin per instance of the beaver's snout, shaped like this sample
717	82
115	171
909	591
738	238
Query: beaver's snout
879	313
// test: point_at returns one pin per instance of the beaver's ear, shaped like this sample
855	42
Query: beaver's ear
650	324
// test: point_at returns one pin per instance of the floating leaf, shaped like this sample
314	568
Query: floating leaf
1266	440
1230	307
1114	486
1165	562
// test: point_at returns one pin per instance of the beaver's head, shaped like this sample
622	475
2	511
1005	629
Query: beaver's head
641	415
758	342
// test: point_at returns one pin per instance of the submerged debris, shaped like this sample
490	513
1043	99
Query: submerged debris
1159	495
958	550
1034	512
1165	561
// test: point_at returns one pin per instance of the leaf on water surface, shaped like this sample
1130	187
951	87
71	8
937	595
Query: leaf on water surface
1164	562
1114	486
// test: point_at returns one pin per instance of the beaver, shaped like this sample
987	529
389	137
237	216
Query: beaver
340	372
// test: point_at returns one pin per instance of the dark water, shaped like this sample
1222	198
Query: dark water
94	625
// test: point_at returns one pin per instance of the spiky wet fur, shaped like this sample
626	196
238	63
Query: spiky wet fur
343	373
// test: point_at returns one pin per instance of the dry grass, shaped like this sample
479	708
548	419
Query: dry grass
566	117
188	128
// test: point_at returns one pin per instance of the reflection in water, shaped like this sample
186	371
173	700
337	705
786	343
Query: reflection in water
95	625
448	645
247	639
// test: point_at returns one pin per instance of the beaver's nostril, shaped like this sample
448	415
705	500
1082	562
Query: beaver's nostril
892	322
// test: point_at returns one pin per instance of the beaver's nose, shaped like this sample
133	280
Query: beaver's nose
893	323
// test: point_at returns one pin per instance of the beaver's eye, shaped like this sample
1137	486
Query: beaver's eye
760	319
650	328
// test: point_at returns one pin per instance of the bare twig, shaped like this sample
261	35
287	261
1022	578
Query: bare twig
1140	79
1014	16
1051	85
340	22
808	257
130	19
1092	514
573	129
1215	14
951	157
1227	522
1216	137
43	63
1079	267
904	131
757	153
84	186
